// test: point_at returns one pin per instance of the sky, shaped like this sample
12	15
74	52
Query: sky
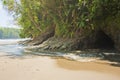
6	20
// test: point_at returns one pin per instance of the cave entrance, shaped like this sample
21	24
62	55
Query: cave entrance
104	41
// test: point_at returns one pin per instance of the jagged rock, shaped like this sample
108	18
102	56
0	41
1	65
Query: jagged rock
105	36
43	36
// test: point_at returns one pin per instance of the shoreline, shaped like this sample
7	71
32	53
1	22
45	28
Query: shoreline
50	68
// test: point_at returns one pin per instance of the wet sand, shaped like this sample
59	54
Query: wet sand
48	68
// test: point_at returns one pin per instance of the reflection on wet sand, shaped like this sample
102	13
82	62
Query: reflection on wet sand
16	66
97	66
47	68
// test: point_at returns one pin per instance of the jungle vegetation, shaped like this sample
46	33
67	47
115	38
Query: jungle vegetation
67	17
9	33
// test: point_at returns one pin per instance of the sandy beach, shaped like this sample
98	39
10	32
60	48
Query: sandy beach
49	68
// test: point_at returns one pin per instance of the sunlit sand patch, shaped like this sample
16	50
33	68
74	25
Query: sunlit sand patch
47	68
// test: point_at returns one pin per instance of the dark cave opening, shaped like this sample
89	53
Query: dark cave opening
103	41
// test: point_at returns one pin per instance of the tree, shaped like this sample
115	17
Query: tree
68	16
6	33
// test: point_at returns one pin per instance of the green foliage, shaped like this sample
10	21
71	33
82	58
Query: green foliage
9	33
68	16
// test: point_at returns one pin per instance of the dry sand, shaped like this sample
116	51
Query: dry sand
47	68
